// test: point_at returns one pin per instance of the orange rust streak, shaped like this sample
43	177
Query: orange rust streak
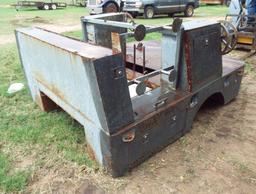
90	152
188	62
60	95
116	43
150	84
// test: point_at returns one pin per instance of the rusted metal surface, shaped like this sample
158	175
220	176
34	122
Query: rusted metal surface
152	50
116	43
132	99
188	62
144	59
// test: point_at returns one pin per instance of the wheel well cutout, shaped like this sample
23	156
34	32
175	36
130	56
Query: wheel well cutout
214	100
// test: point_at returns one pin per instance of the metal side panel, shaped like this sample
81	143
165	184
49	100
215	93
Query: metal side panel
61	74
114	92
100	34
149	135
205	57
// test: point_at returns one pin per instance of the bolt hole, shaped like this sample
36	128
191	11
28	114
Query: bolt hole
129	136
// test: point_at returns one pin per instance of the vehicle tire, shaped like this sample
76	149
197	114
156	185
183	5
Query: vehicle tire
134	14
46	7
110	8
171	14
189	11
149	12
53	6
82	4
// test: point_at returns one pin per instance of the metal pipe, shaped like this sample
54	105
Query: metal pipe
112	23
134	60
144	60
149	30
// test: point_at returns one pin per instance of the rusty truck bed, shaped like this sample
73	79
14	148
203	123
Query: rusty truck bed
153	58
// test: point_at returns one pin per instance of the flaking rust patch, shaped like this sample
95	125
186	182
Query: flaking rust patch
90	152
116	43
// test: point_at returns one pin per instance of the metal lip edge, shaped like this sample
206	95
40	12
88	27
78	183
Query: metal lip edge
21	30
234	60
195	24
100	16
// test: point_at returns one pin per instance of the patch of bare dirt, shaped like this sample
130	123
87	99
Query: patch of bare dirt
60	28
20	22
6	39
22	158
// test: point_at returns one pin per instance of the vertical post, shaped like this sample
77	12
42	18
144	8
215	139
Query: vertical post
254	41
134	60
144	59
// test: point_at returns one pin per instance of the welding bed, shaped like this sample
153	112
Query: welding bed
133	98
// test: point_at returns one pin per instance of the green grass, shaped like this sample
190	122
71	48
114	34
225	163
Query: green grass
10	19
250	69
23	123
11	181
211	11
74	34
78	35
9	2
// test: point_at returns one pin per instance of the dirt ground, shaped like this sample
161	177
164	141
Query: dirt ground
5	39
217	156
